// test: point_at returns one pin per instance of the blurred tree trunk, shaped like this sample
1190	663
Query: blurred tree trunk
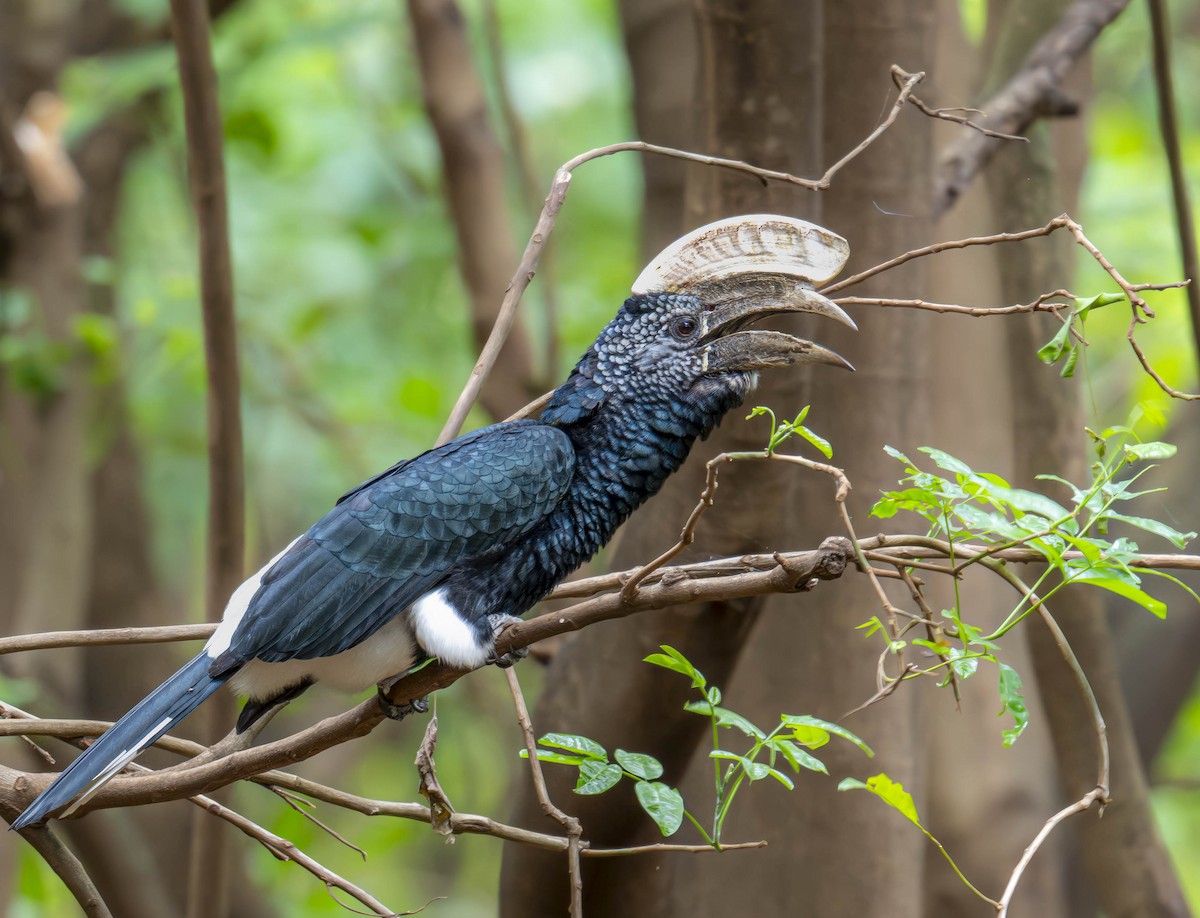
974	422
1125	865
75	532
769	88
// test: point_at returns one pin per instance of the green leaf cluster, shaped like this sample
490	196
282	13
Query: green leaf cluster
788	744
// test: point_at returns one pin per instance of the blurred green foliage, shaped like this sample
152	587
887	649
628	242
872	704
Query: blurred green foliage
355	336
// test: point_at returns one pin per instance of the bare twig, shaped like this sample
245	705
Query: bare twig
1081	805
1034	91
951	114
286	850
1140	308
105	637
688	534
570	824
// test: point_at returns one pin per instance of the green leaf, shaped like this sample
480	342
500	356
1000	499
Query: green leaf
812	737
796	757
1052	350
664	805
725	718
1108	580
896	454
1014	703
890	792
806	720
672	659
555	758
1174	536
1175	580
1068	368
595	777
781	778
641	766
578	744
1083	305
1153	450
964	667
819	442
945	461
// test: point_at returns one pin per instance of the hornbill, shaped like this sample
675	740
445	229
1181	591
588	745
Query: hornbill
436	555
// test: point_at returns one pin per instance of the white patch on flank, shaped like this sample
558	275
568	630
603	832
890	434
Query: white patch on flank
388	652
235	609
443	634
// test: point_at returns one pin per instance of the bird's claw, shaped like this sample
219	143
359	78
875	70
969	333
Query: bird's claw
505	660
395	711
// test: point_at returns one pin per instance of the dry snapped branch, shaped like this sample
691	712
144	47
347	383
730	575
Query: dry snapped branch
738	270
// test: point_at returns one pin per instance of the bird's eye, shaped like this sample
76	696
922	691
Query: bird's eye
684	327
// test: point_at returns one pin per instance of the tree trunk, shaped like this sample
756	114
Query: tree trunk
768	72
1126	865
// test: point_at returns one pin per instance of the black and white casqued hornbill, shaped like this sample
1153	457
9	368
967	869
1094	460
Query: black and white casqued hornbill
439	553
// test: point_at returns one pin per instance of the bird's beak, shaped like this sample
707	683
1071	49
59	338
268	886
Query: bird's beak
736	302
760	350
739	300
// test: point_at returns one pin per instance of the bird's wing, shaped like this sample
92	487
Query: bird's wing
393	538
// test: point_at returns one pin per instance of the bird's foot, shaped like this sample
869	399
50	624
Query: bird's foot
395	711
505	660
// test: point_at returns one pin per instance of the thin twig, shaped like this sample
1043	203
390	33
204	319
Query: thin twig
288	851
572	825
1141	309
688	534
1081	805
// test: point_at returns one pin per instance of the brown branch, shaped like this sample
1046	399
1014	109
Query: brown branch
190	29
66	867
791	574
688	533
949	114
1041	304
1034	91
1081	805
287	850
104	637
1168	125
1140	308
569	823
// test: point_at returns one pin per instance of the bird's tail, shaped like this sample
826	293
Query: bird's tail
119	745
